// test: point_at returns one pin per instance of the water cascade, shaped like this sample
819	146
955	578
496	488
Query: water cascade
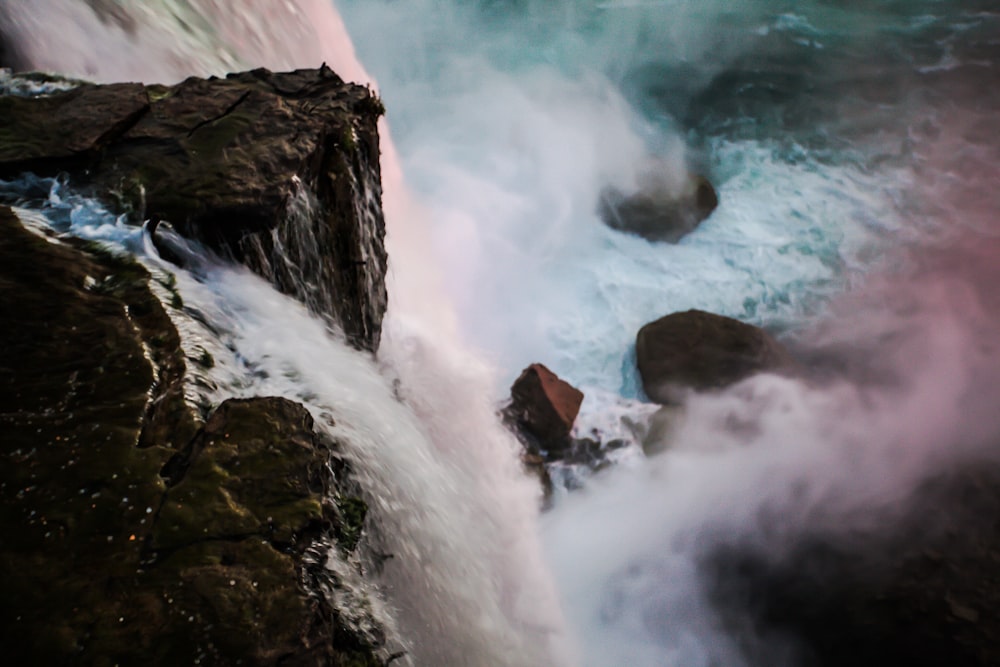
854	154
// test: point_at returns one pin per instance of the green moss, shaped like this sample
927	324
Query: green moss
205	359
347	140
158	93
353	511
118	262
371	105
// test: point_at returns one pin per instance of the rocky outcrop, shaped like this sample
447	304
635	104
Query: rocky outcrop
276	170
544	407
134	533
658	211
702	351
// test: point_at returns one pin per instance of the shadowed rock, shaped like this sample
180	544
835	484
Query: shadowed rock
70	129
921	592
702	351
541	414
658	212
277	170
544	407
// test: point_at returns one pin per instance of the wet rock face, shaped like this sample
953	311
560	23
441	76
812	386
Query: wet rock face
658	212
133	533
702	351
544	407
278	171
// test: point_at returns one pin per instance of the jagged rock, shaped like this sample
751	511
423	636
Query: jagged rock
657	211
702	351
278	170
132	533
543	408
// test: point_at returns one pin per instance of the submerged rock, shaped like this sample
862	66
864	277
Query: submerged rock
701	351
133	533
544	407
659	211
279	171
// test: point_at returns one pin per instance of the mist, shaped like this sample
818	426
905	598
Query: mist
854	149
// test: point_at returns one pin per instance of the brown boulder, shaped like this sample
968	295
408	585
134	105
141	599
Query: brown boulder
543	407
701	351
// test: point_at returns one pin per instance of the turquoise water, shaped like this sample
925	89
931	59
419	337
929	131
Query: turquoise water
811	118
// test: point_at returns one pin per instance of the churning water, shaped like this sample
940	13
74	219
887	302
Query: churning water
854	149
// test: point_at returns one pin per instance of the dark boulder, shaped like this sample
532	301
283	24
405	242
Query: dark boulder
658	212
702	351
279	171
543	408
133	532
922	591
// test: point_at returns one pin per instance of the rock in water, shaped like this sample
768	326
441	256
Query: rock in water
543	407
657	212
279	171
700	350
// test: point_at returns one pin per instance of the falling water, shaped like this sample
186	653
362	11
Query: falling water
854	150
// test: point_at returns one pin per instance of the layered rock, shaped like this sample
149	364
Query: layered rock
133	532
659	211
702	351
278	171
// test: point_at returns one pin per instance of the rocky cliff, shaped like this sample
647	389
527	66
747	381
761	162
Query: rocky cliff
139	529
277	171
134	530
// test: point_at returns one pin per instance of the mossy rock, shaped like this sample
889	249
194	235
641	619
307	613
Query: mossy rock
132	535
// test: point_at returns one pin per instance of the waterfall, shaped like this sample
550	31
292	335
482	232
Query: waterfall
456	521
854	151
457	562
